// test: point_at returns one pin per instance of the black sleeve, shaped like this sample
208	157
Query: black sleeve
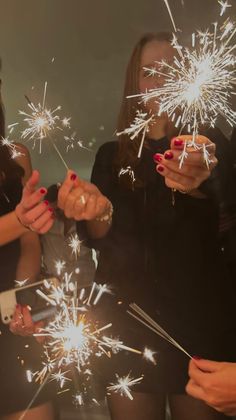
102	172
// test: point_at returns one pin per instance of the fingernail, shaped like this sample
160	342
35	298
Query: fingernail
46	202
51	209
73	177
18	306
168	155
157	157
197	357
178	142
160	168
43	191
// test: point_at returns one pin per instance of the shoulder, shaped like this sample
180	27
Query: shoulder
107	151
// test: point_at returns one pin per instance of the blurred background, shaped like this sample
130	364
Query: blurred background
81	48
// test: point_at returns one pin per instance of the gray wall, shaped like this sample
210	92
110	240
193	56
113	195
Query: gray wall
91	41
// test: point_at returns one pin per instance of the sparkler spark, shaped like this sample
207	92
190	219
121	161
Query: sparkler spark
14	151
148	354
123	385
75	244
224	6
60	266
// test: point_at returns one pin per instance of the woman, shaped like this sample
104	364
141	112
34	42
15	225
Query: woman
163	250
19	259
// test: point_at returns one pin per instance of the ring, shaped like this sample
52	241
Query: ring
82	199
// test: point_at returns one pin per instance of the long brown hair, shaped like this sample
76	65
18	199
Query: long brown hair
9	168
128	150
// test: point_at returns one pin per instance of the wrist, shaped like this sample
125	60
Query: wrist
106	216
24	227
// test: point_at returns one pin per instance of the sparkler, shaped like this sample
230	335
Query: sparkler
199	85
75	244
42	123
141	316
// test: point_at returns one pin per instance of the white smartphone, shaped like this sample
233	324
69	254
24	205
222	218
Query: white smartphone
27	295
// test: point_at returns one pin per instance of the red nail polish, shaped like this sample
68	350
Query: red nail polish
46	202
73	177
43	191
168	155
178	142
197	357
18	306
51	209
157	158
160	168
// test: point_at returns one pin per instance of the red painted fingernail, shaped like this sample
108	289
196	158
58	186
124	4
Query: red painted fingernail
18	306
178	142
157	158
160	168
73	177
197	357
51	209
168	155
43	191
46	202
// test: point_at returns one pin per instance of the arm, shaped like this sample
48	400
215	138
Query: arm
30	251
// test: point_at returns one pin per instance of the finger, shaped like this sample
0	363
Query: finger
194	158
45	228
33	199
27	320
17	320
70	182
195	391
38	224
199	173
80	206
207	365
31	184
173	177
179	142
199	376
72	197
36	212
91	206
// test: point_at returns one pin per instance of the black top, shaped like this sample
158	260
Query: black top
10	195
168	257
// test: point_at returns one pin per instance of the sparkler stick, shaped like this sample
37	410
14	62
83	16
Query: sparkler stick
170	14
146	320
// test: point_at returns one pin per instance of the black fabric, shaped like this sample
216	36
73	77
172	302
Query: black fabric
17	354
168	259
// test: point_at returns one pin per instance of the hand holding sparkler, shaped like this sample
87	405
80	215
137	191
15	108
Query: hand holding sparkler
82	200
32	212
188	177
22	323
214	383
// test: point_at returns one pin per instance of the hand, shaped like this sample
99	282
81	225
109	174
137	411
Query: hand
214	383
22	323
32	212
81	200
194	169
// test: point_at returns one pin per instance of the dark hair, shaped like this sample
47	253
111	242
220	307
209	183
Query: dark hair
128	150
9	168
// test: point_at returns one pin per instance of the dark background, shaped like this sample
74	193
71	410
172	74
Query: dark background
91	41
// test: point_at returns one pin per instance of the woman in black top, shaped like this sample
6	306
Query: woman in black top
163	252
19	259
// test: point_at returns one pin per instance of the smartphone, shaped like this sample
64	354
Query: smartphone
27	295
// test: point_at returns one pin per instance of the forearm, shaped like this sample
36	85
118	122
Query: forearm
97	229
30	257
10	228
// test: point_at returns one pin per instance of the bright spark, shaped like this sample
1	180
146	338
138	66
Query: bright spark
123	385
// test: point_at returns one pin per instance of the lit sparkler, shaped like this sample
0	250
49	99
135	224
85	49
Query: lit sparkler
199	85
